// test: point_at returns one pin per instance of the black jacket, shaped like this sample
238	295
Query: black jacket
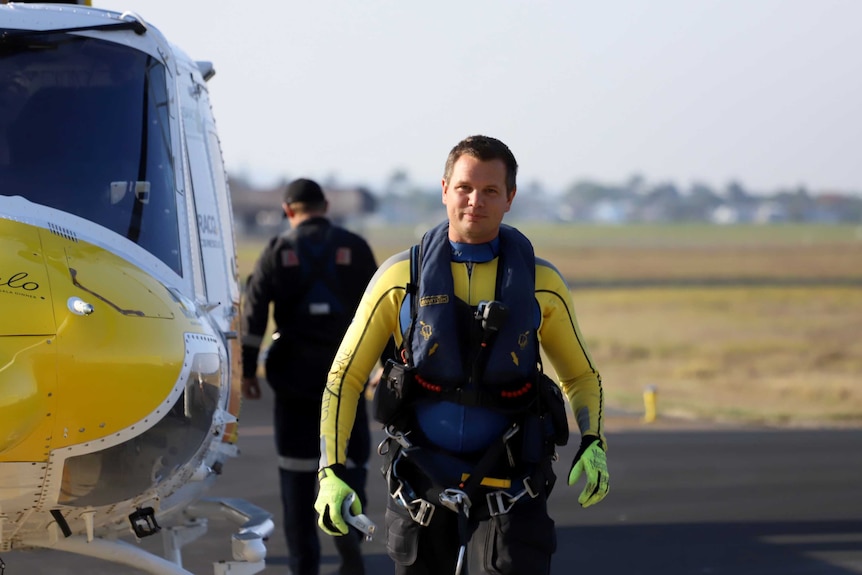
314	275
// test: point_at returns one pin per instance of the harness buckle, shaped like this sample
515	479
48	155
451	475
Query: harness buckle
528	487
456	500
420	511
398	436
423	514
510	432
501	502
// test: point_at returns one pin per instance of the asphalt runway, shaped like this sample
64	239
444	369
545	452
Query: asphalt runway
686	499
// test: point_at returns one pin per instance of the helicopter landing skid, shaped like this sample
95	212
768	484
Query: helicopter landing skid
247	544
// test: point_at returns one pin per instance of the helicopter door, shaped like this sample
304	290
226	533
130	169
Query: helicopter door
208	181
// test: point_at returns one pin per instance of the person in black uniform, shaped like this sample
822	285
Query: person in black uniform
314	274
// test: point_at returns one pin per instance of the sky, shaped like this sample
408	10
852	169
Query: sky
764	92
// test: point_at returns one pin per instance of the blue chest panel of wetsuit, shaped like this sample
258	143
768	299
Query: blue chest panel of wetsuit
459	428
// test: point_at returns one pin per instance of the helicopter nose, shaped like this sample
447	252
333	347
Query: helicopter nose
27	367
27	335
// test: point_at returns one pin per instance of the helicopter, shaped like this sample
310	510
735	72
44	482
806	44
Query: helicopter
119	294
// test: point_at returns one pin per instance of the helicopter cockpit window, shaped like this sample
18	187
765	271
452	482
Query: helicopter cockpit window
84	128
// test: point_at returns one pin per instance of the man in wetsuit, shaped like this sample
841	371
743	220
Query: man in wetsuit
471	418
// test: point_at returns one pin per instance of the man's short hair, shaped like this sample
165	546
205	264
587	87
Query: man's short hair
484	148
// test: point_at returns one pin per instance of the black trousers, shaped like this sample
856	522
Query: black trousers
296	426
520	542
298	491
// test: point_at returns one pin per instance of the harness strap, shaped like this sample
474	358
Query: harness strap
426	470
463	535
502	398
497	502
413	292
487	463
317	269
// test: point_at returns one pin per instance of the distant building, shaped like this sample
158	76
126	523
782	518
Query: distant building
258	211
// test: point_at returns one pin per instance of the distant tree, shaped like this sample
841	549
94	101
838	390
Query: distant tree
798	203
397	183
847	208
536	205
369	203
636	185
702	193
666	192
534	188
736	193
660	203
699	202
589	192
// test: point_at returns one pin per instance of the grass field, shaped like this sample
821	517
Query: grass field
771	355
788	352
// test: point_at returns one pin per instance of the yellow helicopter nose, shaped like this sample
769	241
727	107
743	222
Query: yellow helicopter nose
24	378
27	356
89	344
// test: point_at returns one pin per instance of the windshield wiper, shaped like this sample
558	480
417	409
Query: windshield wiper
136	25
134	231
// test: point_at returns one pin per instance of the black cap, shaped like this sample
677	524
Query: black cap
305	191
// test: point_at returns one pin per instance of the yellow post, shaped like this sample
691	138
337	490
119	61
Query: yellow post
650	393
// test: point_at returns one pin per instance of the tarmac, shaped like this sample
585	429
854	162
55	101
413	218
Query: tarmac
687	497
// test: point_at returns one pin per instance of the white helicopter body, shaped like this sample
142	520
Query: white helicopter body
119	383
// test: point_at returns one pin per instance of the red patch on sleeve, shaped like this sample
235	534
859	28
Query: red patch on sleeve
289	258
342	256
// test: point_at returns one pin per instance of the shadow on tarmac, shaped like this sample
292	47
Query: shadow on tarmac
761	548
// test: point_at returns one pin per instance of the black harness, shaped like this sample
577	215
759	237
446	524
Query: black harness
519	463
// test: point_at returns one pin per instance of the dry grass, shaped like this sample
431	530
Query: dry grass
783	355
820	261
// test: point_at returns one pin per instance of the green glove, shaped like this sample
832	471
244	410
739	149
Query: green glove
330	497
591	459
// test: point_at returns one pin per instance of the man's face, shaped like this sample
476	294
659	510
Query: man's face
476	200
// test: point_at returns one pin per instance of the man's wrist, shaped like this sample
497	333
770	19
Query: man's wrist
336	469
249	361
586	441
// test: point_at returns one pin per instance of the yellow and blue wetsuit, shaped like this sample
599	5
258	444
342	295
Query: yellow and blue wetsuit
446	354
453	427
